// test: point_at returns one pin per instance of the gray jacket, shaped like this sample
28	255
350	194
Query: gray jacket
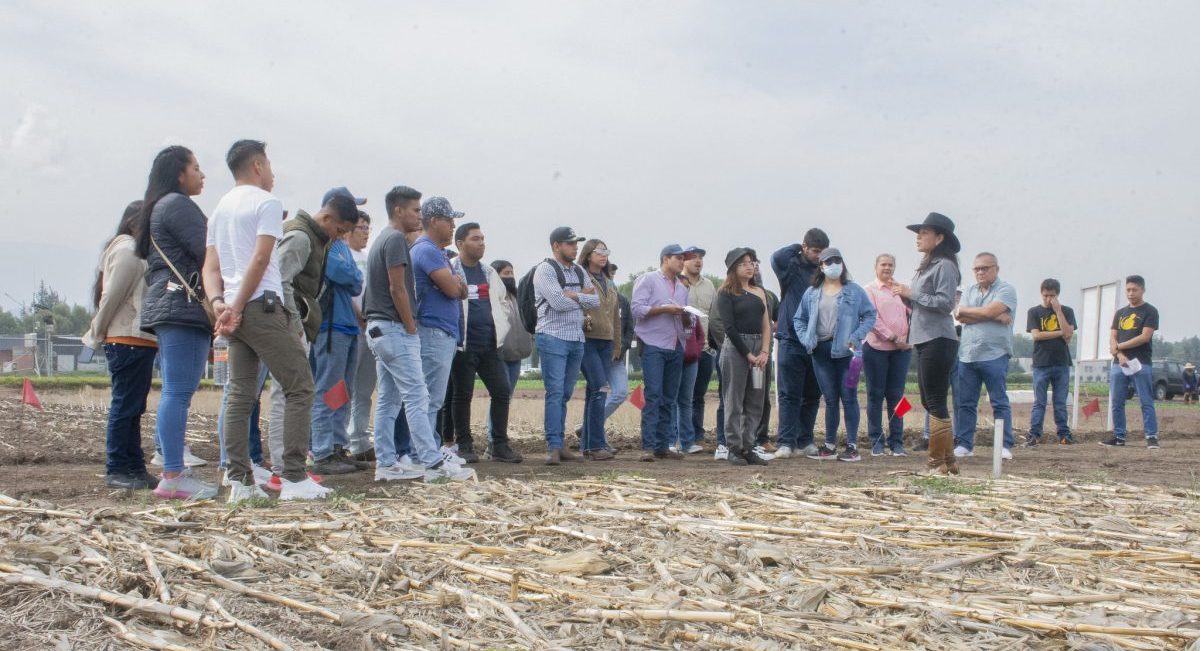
932	302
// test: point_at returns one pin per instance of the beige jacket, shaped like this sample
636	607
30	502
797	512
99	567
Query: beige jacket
122	283
605	319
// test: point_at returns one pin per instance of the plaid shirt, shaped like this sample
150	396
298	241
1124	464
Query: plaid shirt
559	316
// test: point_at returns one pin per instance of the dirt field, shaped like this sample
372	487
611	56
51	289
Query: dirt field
1078	547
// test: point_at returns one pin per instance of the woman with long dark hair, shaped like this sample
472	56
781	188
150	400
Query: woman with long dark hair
932	333
602	335
129	351
742	307
172	240
834	316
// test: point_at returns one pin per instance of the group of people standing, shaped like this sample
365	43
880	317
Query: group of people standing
302	301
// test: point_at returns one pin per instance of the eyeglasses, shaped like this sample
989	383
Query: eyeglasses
748	263
366	228
980	270
600	251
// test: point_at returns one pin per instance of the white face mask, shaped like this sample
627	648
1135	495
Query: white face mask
833	270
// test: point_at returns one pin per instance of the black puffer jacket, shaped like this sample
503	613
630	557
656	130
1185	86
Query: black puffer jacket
180	229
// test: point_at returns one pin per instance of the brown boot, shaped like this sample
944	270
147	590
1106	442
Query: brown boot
949	461
567	455
554	457
941	442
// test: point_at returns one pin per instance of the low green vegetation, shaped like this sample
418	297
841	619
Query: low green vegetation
947	485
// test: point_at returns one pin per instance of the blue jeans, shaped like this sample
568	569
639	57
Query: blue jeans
1118	384
970	377
661	369
514	373
1055	378
560	361
683	433
618	387
131	368
886	371
799	394
401	383
183	352
597	358
255	431
437	357
335	358
831	376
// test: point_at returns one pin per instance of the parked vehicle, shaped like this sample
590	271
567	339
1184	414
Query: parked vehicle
1167	381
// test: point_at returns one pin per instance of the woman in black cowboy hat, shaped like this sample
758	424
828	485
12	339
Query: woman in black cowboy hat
932	333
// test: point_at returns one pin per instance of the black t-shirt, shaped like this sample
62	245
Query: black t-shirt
481	330
1049	352
1128	322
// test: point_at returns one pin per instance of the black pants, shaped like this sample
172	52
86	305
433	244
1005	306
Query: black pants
935	362
494	373
704	373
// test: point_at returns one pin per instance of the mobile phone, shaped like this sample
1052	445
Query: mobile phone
375	332
270	299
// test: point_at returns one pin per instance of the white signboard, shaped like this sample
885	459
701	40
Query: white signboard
1094	317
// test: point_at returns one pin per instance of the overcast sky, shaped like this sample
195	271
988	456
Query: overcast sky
1061	136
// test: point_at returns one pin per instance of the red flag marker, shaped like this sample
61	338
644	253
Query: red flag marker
337	396
902	407
28	396
1091	408
638	398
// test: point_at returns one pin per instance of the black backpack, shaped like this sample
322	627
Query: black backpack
527	303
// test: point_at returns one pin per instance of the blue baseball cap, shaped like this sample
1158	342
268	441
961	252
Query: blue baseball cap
438	207
341	190
670	249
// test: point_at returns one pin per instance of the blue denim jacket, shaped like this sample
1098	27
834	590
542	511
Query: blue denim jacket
856	317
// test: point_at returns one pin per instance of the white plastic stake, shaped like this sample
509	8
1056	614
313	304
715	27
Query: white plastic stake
997	448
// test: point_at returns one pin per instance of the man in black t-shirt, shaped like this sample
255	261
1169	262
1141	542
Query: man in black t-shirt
1052	325
1131	343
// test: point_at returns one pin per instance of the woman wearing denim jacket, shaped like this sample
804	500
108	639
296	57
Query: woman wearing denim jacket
833	318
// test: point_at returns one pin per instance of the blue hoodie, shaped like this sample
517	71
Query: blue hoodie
343	279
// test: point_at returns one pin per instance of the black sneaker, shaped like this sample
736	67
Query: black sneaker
1152	443
143	479
735	460
341	454
367	455
332	465
849	454
753	459
467	454
921	445
823	452
504	453
1033	441
1067	440
119	480
1114	442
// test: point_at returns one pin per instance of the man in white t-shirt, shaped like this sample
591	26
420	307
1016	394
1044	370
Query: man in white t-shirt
364	375
241	273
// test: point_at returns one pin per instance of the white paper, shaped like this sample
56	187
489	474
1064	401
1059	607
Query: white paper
694	311
1132	366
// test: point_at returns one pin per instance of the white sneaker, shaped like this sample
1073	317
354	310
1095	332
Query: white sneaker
302	490
784	452
1006	454
190	460
695	449
451	457
809	450
722	453
239	492
261	475
673	448
762	453
397	472
961	452
449	471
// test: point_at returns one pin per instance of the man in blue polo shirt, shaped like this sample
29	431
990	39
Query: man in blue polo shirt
439	300
986	313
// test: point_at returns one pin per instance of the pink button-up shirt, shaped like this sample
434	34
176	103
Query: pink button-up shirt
891	317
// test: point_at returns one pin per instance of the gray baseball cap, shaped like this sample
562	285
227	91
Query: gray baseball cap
438	207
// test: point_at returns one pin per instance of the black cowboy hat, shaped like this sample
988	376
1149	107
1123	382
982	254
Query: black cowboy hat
734	255
941	224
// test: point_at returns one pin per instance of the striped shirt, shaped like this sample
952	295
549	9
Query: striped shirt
559	316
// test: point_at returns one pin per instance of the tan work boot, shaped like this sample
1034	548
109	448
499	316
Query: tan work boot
941	443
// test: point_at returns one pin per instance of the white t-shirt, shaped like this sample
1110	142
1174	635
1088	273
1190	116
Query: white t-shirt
360	259
244	213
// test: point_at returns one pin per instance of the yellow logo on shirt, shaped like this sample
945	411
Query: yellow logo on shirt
1129	322
1050	323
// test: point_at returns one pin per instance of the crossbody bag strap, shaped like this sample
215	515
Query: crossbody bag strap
191	292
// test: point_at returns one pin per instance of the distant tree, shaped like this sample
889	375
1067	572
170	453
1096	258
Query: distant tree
626	288
1022	345
10	324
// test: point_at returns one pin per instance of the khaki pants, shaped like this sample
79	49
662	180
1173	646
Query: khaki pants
267	337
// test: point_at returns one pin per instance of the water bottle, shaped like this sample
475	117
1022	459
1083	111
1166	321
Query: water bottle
855	370
756	378
220	361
